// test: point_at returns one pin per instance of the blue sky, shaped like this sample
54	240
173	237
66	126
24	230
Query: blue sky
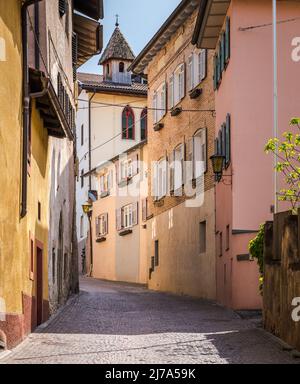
139	20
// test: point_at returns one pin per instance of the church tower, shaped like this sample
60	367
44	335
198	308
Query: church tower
117	58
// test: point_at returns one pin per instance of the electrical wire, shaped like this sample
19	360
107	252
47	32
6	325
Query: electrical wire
267	24
101	105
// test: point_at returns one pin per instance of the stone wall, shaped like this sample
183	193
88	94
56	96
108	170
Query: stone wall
282	277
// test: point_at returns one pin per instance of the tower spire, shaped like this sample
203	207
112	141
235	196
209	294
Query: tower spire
117	20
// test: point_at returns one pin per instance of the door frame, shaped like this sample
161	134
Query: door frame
39	249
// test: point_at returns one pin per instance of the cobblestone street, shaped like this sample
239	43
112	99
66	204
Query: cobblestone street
120	323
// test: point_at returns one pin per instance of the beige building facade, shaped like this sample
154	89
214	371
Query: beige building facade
181	204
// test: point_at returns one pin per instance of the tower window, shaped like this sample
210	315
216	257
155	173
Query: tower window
121	67
128	124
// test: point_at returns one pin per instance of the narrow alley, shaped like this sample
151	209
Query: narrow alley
121	323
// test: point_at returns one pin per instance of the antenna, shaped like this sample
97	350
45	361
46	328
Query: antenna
117	20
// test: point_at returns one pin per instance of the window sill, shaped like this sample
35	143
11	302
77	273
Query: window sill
176	111
158	126
125	232
195	93
104	194
101	239
125	182
160	202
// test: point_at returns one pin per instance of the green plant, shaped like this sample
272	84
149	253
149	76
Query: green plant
288	153
256	248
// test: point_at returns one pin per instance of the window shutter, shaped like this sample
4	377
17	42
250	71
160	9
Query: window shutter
171	92
202	65
135	165
190	73
62	7
154	178
222	58
216	146
182	159
163	101
223	51
204	148
220	143
105	224
135	213
176	89
144	210
182	81
74	49
97	227
172	171
154	106
190	158
228	140
215	74
227	40
224	140
165	177
119	219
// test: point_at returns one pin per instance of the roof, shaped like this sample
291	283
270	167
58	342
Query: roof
209	23
117	48
95	83
159	40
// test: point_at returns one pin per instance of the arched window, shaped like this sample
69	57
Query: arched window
121	67
144	124
128	124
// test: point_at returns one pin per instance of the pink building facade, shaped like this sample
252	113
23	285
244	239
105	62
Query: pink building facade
244	97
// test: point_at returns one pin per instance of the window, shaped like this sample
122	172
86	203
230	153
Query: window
107	69
82	178
159	103
82	134
222	56
127	216
121	67
128	124
223	141
196	69
177	86
126	169
159	180
227	238
62	7
102	225
144	124
203	237
81	226
156	254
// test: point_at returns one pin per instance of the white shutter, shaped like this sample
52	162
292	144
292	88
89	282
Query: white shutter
202	65
165	178
172	172
106	224
190	159
135	213
190	72
163	101
97	227
144	210
154	106
200	153
119	219
171	92
182	81
101	184
176	89
154	178
196	69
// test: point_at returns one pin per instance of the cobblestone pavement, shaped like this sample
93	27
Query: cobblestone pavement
121	323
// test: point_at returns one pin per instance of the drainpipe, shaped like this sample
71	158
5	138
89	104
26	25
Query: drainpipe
26	104
37	33
90	139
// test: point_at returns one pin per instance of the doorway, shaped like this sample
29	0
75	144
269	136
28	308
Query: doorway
39	285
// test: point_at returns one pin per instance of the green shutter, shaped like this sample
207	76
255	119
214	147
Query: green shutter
215	73
227	40
223	52
218	70
228	140
222	60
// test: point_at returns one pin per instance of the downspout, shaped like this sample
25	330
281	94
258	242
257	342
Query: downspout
90	139
37	34
26	104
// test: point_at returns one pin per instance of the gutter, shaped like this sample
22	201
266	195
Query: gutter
26	104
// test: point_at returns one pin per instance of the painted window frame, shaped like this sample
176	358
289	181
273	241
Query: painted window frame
102	225
126	127
144	124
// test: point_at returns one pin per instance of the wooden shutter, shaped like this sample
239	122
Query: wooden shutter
222	58
154	183
163	100
154	106
119	219
172	172
62	7
224	140
135	213
202	65
171	92
182	81
227	40
220	143
144	210
97	227
190	73
182	159
215	74
190	158
105	224
228	140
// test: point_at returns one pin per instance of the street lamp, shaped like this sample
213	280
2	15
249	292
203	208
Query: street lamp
218	162
88	210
